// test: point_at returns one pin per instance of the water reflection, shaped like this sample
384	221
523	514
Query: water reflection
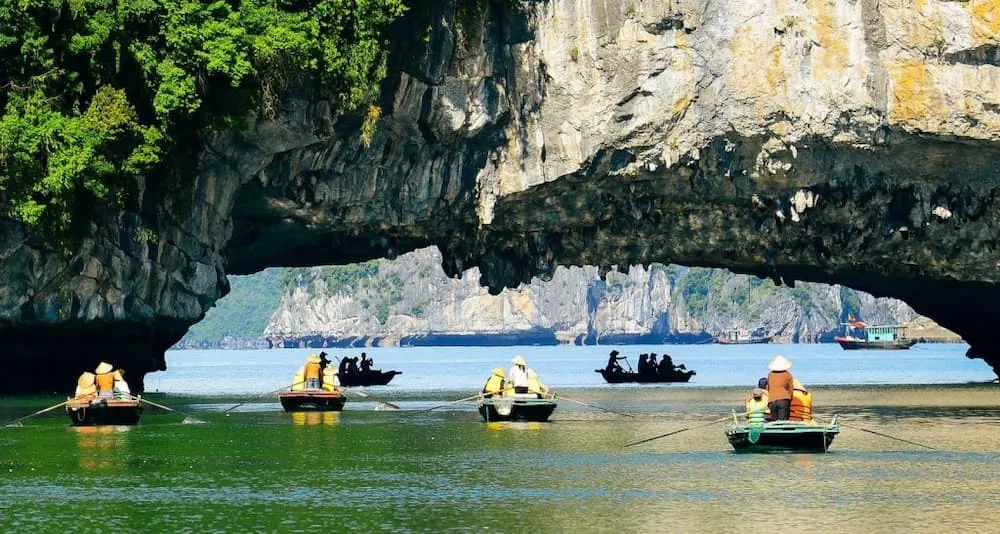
315	418
499	426
102	447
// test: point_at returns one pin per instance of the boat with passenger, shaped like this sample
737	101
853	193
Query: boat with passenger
103	398
859	335
314	388
518	395
649	372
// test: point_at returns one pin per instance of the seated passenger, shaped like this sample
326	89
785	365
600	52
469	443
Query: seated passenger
312	369
613	365
801	406
762	386
518	374
105	377
330	380
495	383
535	385
299	382
85	386
756	407
121	386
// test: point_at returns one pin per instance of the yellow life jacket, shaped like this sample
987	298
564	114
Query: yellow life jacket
535	385
801	406
312	370
330	380
495	382
299	382
105	382
756	411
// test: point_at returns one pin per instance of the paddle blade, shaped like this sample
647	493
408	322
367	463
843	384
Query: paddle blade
192	421
15	424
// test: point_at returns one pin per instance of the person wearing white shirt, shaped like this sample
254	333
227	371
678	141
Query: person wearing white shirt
518	375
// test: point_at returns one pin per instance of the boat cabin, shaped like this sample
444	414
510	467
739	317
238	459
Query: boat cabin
881	333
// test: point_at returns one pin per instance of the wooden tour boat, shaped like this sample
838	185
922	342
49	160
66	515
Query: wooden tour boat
858	335
516	407
103	411
316	400
367	378
782	436
676	375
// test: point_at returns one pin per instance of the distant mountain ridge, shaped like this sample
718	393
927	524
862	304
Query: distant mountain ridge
409	301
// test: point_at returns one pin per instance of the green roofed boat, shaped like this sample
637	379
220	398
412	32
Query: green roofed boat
782	436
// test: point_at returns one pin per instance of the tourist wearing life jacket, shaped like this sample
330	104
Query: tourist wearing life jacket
535	385
330	380
495	383
757	407
105	377
518	374
312	372
85	386
299	382
762	387
779	388
801	405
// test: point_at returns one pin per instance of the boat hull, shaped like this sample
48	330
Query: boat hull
371	378
857	344
100	412
312	401
782	436
751	341
622	378
506	409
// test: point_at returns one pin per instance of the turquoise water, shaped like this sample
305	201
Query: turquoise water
374	470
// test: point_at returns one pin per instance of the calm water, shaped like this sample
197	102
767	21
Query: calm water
367	469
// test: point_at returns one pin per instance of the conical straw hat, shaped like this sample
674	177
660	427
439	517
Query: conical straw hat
519	360
498	371
779	363
103	367
86	379
313	358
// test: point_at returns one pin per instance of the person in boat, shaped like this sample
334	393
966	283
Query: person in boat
330	380
666	366
613	365
366	363
761	386
801	405
352	366
342	368
105	377
495	383
757	407
323	361
641	366
779	387
651	365
121	386
518	374
85	386
312	371
535	385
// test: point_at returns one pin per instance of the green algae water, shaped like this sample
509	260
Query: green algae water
372	470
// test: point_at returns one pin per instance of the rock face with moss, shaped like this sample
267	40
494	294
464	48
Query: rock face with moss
839	141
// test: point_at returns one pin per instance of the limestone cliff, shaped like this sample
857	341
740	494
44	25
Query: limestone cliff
839	141
410	301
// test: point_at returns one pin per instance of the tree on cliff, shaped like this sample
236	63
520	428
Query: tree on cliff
97	95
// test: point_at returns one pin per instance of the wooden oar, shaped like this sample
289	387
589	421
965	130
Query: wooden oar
227	410
188	419
563	397
476	396
888	436
378	399
678	431
17	422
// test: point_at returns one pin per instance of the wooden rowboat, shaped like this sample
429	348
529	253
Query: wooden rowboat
624	377
103	411
516	408
368	378
312	400
782	436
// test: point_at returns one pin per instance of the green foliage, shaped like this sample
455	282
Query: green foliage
695	287
244	312
345	279
849	303
802	297
96	93
419	310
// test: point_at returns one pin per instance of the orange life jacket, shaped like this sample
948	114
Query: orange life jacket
800	408
312	370
105	382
